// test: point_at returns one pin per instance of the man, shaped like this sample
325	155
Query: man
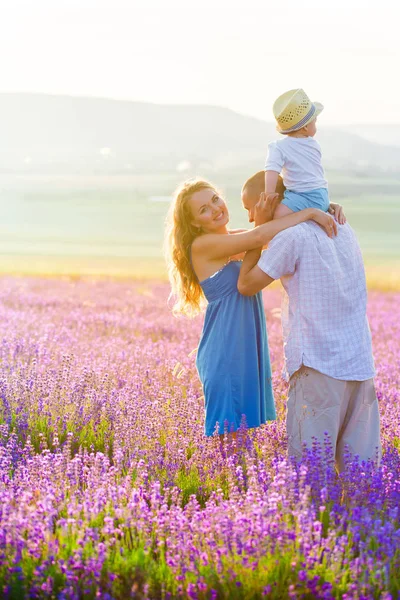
327	341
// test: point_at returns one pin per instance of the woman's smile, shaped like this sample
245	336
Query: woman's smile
219	216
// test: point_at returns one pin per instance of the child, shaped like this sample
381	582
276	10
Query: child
297	156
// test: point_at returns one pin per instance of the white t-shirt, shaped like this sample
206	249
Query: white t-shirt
299	161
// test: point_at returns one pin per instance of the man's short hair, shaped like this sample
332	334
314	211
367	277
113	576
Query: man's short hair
255	185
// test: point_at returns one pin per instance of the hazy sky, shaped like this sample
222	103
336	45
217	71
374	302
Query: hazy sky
239	54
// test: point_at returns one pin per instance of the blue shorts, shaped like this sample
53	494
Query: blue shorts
296	201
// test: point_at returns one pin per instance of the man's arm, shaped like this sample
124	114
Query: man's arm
251	278
279	259
263	212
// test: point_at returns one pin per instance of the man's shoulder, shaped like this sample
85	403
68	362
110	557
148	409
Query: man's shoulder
297	232
308	232
313	234
344	232
291	237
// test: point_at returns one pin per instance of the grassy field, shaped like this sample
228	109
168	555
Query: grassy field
113	226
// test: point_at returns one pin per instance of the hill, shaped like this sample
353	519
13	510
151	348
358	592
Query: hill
50	134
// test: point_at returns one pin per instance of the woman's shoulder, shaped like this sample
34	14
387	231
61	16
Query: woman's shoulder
204	240
200	244
197	244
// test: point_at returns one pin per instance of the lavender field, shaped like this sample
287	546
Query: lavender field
108	488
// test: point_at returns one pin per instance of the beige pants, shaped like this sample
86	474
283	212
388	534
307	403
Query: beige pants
346	410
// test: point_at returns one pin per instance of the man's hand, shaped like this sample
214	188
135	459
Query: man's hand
337	211
265	207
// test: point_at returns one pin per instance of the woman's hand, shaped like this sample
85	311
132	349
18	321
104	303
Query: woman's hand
326	221
337	211
263	208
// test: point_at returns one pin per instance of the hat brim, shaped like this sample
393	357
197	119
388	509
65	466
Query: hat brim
318	110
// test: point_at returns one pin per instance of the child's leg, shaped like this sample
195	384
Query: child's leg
282	211
295	201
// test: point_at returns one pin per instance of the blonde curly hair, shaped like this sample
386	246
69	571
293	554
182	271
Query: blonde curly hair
180	233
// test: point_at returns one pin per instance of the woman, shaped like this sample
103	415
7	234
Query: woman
233	358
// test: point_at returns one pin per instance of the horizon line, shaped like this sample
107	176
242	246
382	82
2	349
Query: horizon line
174	104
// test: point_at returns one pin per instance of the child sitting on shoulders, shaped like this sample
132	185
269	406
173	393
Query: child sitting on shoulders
297	156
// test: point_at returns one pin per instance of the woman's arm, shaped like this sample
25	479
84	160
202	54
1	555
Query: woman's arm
214	246
241	255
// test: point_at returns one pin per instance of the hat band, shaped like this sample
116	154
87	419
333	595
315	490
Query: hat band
301	123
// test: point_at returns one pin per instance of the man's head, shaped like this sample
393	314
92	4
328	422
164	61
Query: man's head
252	189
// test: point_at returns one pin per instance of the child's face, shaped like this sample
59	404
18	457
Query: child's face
311	128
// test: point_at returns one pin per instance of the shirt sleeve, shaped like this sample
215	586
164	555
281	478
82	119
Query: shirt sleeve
282	254
275	159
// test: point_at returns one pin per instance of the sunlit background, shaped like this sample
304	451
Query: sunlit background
105	106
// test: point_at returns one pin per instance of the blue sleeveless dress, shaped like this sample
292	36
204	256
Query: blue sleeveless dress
233	357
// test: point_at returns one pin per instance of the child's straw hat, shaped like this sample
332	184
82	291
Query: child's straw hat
294	110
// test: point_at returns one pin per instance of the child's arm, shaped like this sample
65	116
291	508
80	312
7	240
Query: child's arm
273	166
271	179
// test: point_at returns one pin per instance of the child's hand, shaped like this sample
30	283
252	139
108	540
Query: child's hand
337	211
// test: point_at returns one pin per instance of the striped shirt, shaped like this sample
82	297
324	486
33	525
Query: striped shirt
324	319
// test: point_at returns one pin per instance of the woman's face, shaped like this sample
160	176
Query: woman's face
209	211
